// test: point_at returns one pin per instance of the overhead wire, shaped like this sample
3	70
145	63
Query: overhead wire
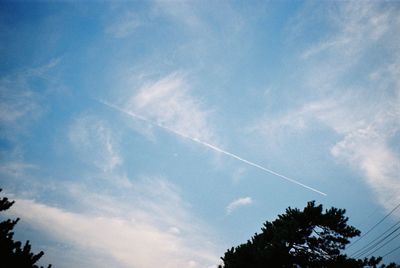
385	244
366	249
390	252
374	240
373	227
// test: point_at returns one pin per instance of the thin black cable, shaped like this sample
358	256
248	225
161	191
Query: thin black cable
377	243
390	252
374	240
373	227
385	244
371	247
370	216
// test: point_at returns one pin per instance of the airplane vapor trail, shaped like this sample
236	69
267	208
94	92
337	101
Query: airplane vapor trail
212	147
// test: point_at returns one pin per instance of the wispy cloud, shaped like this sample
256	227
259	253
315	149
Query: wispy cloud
368	149
145	226
184	12
359	26
168	102
15	169
244	201
95	142
358	101
369	116
215	148
20	100
16	104
124	25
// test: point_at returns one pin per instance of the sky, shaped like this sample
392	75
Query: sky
160	133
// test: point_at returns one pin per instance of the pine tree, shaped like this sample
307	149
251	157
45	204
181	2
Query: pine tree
12	254
308	238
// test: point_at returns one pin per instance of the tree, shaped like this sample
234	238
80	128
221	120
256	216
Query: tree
308	238
12	254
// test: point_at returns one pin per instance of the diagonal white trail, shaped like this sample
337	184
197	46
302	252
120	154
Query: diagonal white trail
215	148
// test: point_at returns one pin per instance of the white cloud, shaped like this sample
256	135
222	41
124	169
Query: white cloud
168	102
20	101
367	115
17	100
15	169
186	13
145	226
95	142
353	78
360	25
368	150
195	16
16	104
366	130
124	26
244	201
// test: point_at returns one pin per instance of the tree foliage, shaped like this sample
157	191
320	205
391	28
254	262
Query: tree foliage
308	238
12	253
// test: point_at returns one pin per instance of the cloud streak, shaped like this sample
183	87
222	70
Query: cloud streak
351	95
94	141
124	26
168	101
367	115
244	201
146	225
213	147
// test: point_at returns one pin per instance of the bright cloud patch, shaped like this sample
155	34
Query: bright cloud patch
19	97
364	113
94	141
311	90
137	230
367	149
124	25
169	102
368	126
244	201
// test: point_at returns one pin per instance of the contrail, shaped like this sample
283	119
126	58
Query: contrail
213	147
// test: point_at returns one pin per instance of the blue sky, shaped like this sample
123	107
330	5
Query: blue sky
309	90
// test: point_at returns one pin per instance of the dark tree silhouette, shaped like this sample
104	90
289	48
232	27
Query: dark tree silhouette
308	238
12	254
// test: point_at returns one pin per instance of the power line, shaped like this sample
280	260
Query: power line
370	244
385	244
379	242
373	227
390	252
